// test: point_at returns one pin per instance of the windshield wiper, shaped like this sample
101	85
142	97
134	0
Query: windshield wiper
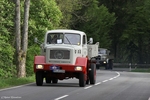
68	40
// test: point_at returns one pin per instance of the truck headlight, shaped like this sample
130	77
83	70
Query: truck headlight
78	68
104	62
39	67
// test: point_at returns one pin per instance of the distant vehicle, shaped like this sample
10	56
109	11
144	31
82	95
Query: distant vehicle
66	54
104	59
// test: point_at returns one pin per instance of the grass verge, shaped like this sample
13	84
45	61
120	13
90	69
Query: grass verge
146	70
10	82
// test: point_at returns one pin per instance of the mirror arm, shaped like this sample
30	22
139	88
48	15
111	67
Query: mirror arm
36	40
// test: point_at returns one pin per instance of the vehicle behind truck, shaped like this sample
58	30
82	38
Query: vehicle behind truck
66	54
104	59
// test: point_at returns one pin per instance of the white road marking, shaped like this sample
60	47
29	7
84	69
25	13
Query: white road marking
98	83
111	78
118	74
87	87
61	97
105	81
115	77
149	98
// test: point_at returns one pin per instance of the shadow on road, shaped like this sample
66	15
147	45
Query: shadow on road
59	84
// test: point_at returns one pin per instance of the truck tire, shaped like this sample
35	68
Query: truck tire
81	80
97	66
55	80
107	66
39	78
48	80
92	74
111	64
87	81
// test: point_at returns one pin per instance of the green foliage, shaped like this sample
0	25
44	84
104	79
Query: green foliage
137	32
7	68
6	59
67	8
98	22
32	51
131	26
44	15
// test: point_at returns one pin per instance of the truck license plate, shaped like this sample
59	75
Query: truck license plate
59	71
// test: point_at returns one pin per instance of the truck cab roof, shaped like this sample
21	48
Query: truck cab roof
65	31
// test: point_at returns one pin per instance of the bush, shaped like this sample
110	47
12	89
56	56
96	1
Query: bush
7	69
32	51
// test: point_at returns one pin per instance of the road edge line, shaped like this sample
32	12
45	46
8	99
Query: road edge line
16	86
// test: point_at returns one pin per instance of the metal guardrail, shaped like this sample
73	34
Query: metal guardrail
134	65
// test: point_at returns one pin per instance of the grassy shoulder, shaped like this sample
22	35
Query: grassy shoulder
145	70
10	82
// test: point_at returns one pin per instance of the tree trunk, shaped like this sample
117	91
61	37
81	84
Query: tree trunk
17	33
21	48
24	39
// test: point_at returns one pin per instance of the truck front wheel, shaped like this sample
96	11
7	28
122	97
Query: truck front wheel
81	80
39	78
92	74
111	64
48	80
55	80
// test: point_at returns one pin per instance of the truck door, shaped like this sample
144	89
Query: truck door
84	46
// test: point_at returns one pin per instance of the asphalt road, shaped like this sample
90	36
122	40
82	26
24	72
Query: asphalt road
110	85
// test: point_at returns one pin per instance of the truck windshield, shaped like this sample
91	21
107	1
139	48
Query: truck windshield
66	38
72	38
101	51
54	38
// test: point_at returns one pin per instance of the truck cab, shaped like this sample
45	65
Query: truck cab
65	45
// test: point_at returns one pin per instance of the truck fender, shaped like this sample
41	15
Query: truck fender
107	60
81	61
38	60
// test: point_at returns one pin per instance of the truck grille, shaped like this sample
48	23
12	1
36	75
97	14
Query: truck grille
59	54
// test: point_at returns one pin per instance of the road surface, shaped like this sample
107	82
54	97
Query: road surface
110	85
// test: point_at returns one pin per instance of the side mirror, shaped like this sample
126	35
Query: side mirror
91	40
35	39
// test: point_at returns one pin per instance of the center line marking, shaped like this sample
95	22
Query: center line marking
105	81
98	83
61	97
111	78
87	87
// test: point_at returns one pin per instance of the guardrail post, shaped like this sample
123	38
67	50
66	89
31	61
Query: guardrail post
130	68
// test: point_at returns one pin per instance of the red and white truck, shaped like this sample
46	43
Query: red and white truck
66	54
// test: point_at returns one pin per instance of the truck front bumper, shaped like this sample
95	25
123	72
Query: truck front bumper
59	68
